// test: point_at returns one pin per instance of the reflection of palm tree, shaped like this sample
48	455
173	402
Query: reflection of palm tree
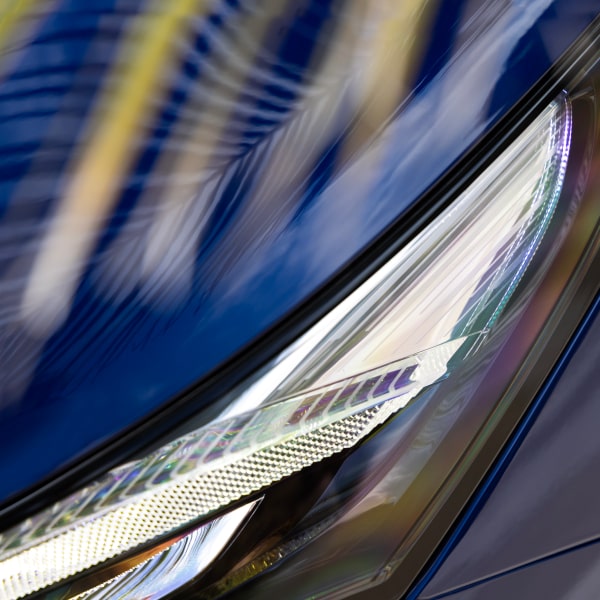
350	84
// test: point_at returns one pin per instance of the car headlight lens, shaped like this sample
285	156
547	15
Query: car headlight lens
417	321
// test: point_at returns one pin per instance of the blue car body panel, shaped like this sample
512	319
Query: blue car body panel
125	346
539	525
568	575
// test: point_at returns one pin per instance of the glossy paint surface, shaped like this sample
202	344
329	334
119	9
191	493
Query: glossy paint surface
534	526
569	575
177	177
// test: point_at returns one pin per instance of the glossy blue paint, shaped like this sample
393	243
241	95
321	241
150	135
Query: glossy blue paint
540	501
567	575
129	339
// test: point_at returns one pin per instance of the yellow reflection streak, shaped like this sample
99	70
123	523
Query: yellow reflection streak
386	60
125	105
190	171
11	12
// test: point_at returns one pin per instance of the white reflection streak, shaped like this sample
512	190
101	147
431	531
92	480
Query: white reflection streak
99	170
177	221
177	565
343	101
170	243
432	124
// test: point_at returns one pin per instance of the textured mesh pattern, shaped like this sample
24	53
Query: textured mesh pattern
230	459
174	566
211	449
206	470
128	526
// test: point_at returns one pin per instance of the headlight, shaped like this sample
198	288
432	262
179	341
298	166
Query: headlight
432	312
413	368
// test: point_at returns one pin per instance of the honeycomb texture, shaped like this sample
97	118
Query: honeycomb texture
127	527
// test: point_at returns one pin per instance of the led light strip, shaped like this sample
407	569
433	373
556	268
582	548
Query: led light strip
176	565
438	295
200	473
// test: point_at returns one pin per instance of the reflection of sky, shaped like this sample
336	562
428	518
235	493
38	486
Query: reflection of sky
199	257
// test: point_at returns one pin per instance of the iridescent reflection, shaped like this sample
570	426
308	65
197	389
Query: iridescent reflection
179	564
485	240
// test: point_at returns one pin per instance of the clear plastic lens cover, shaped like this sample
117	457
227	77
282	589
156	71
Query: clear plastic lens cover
407	327
170	568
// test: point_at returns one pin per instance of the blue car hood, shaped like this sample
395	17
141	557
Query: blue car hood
173	183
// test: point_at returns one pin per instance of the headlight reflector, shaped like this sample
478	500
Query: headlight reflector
405	328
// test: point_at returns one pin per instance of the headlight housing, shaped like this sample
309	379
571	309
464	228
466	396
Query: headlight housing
412	348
